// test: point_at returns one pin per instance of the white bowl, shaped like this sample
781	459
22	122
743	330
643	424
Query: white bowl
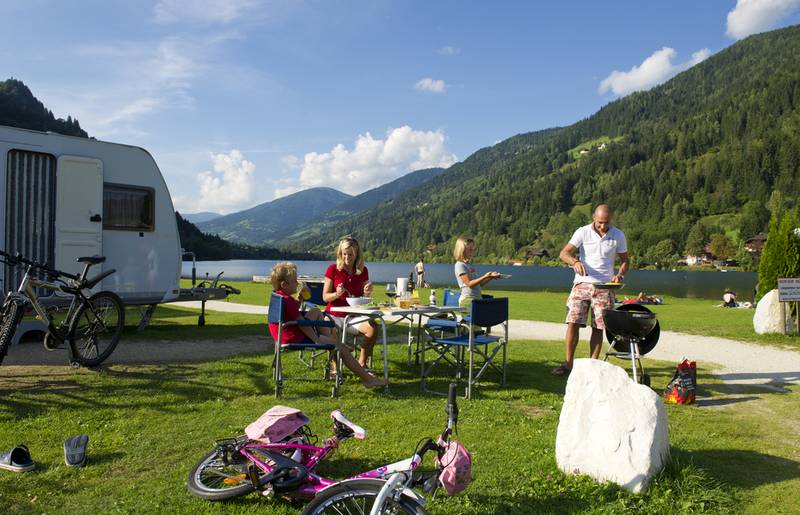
358	301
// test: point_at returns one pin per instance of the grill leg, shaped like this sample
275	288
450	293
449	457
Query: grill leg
633	360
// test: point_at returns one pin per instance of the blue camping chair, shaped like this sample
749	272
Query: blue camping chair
463	349
314	301
275	316
444	325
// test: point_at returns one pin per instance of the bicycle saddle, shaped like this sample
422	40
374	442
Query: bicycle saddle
94	260
359	432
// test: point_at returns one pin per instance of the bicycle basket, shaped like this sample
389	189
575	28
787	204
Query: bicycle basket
276	424
456	466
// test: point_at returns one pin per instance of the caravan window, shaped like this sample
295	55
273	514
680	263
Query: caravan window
130	208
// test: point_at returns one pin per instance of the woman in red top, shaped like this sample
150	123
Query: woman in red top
348	277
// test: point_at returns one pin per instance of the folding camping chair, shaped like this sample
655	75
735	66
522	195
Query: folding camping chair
275	316
475	343
446	325
314	301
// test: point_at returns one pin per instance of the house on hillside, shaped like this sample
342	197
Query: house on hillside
705	258
584	151
533	252
602	146
755	244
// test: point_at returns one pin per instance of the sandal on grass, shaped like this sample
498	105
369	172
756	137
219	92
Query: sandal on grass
562	370
17	459
75	450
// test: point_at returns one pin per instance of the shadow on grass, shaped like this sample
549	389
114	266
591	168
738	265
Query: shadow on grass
741	468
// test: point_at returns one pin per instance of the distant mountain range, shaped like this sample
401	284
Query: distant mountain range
203	216
270	221
301	215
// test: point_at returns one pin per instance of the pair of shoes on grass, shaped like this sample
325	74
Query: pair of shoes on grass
19	458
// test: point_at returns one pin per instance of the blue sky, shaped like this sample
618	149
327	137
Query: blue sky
240	101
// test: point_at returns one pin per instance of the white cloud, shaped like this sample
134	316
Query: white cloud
229	186
130	81
430	85
370	163
449	51
654	70
202	11
753	16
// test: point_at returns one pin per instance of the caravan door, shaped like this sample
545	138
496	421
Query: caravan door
79	211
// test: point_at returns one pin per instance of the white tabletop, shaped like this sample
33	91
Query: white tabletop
396	311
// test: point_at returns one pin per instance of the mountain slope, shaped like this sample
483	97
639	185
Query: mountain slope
19	108
207	247
203	216
269	221
703	152
363	202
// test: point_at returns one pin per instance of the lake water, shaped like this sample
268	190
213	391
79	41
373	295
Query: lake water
707	285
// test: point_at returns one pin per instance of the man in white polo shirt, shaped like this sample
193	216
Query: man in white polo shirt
599	243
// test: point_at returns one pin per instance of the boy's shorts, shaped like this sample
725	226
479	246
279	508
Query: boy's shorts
584	296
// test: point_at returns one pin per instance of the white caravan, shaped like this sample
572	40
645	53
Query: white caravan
62	197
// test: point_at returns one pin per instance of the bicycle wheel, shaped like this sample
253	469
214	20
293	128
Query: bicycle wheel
215	480
12	314
96	328
357	496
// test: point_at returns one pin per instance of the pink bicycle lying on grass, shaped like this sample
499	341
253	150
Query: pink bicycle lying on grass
282	461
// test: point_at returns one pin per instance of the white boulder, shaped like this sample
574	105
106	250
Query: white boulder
611	428
768	317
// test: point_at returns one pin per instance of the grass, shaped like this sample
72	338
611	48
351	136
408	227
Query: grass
149	424
691	316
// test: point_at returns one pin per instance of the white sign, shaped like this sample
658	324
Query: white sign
789	290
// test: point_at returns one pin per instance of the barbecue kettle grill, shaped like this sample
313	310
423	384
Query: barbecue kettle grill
632	331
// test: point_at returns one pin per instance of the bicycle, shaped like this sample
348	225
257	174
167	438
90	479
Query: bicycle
239	466
92	325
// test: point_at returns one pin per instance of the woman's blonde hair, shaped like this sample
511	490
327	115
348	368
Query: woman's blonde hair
461	247
282	272
346	243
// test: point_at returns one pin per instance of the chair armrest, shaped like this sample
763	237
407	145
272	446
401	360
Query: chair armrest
313	323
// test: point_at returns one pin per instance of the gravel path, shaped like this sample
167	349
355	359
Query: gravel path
735	362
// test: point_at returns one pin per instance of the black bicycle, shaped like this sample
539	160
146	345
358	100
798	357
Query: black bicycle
92	325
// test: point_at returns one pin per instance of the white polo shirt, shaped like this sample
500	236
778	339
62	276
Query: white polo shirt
598	253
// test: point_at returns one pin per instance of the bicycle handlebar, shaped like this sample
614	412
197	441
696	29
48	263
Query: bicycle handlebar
14	260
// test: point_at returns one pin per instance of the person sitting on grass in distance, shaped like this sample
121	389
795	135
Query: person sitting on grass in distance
466	276
284	283
729	299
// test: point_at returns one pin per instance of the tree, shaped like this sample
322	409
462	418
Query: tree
721	246
754	220
696	240
781	255
661	253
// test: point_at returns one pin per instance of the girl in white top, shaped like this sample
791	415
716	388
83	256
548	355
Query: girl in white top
468	281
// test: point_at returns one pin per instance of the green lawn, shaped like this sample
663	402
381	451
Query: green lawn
149	424
692	316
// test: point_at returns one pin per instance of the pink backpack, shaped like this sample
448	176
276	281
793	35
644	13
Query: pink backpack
456	465
276	424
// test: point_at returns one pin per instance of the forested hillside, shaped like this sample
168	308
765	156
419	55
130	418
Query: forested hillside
19	108
703	157
207	247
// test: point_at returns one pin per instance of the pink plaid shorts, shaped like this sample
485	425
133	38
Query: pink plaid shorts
582	297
